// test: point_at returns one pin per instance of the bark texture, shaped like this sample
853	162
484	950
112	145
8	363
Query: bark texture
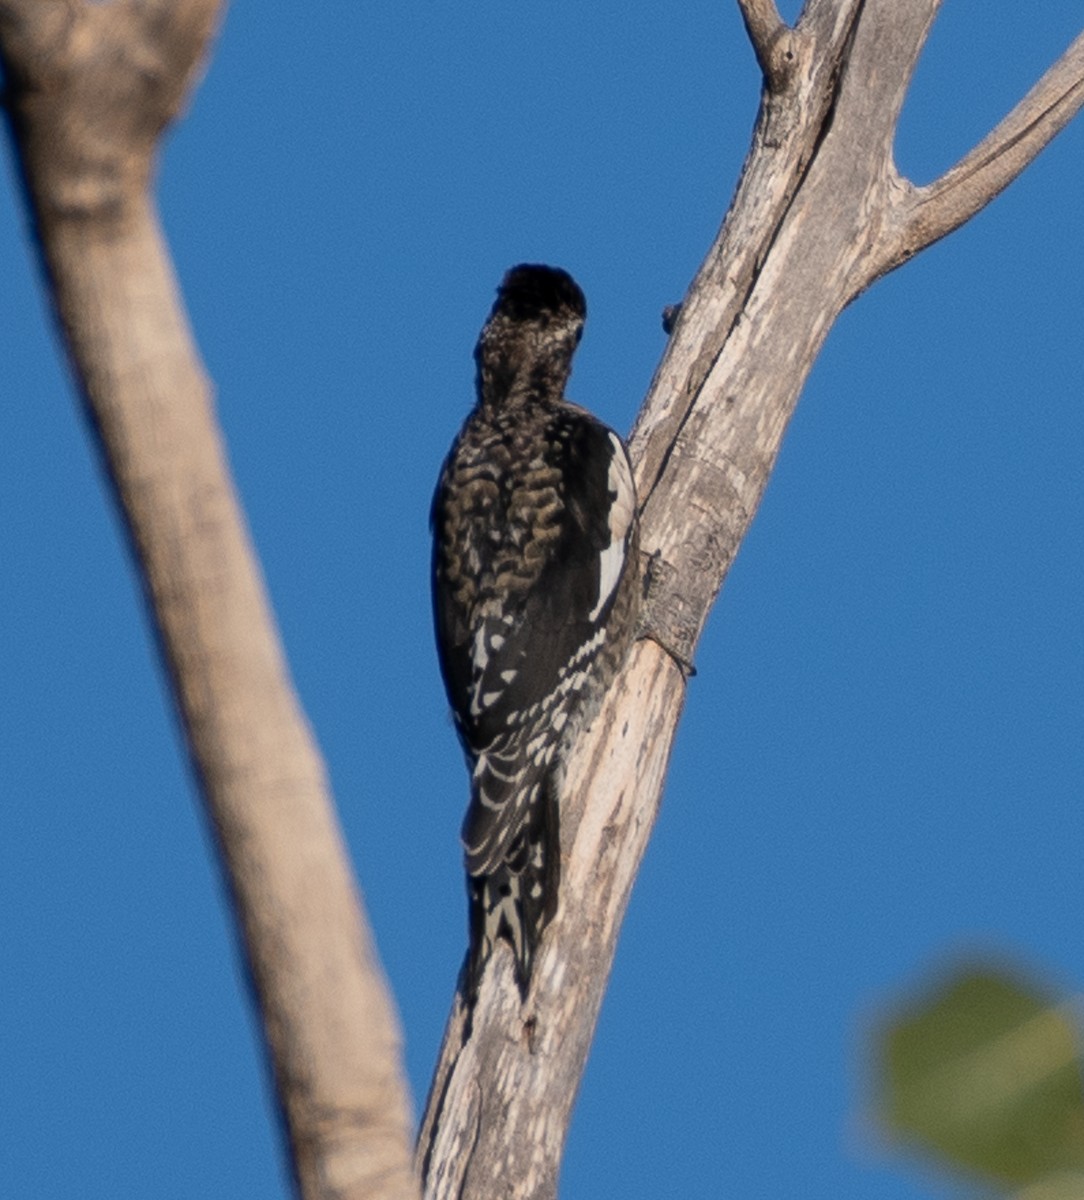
90	88
820	212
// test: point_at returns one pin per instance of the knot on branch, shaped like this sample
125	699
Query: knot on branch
780	58
670	316
90	88
776	45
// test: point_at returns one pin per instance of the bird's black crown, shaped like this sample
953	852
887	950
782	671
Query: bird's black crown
532	291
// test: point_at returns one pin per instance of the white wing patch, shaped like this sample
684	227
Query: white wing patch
479	652
622	512
486	641
479	658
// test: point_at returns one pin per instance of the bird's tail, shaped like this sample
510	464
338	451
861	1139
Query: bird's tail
516	899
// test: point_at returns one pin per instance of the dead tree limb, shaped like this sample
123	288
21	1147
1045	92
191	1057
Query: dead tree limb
924	214
819	213
89	89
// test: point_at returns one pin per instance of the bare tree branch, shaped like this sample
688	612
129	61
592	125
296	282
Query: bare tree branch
795	248
505	1084
787	128
90	87
765	27
927	213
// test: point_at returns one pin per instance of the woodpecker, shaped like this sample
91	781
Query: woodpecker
535	597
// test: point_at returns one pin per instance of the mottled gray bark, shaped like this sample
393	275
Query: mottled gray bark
820	213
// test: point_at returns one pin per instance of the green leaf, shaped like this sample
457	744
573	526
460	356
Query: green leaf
985	1072
1065	1185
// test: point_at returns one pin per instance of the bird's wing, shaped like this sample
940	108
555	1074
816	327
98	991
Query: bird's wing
517	649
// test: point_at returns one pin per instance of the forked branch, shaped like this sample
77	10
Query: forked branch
796	247
765	27
926	214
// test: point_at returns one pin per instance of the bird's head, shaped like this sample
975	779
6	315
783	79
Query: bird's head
526	345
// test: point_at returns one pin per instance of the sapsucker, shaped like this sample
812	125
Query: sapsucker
535	595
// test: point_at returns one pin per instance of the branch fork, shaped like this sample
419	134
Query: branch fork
774	42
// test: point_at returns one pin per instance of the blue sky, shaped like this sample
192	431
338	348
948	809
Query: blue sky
881	764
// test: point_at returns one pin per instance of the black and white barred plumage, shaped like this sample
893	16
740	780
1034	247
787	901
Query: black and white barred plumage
535	595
